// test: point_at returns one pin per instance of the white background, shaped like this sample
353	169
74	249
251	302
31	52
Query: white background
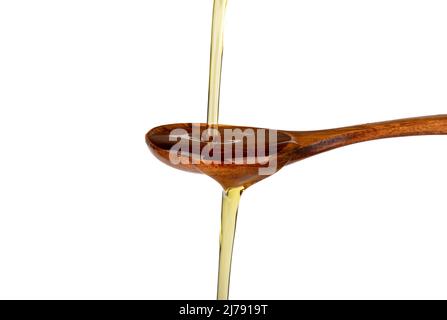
87	212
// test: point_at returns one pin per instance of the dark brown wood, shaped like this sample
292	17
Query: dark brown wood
291	146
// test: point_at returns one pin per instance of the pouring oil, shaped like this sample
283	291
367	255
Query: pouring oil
230	197
230	204
216	54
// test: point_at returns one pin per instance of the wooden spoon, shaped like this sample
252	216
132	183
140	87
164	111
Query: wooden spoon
290	146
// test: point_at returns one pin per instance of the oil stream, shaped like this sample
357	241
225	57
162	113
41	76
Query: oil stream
231	196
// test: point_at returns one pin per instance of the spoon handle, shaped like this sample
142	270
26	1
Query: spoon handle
313	142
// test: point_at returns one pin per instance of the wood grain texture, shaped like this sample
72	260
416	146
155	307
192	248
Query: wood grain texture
292	146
